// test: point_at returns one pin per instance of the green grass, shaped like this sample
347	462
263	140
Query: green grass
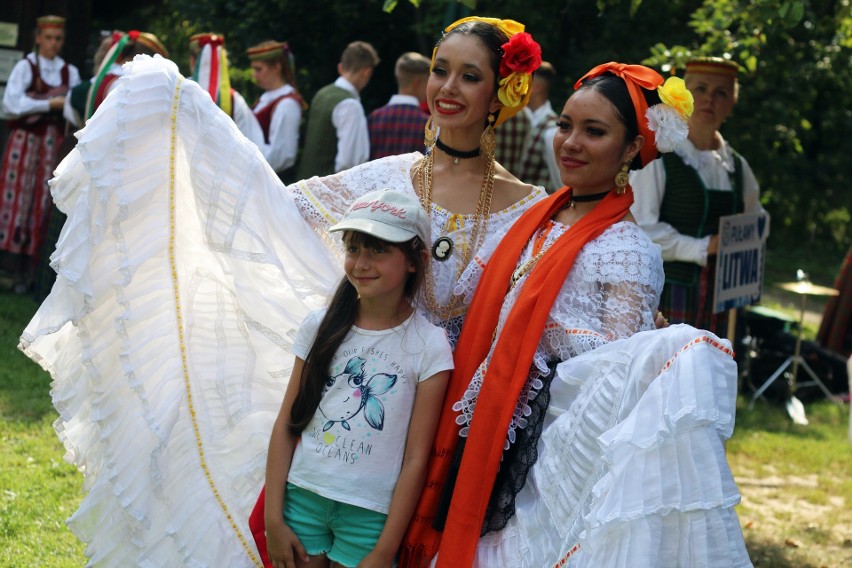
797	484
38	489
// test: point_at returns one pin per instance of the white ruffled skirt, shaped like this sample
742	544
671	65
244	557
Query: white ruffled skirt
632	469
183	269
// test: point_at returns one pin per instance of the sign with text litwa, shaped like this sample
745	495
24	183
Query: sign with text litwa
740	260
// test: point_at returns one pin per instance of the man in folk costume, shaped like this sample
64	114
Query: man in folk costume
397	127
540	166
208	65
680	197
34	96
279	109
337	137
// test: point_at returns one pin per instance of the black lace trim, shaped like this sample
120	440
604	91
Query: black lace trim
516	464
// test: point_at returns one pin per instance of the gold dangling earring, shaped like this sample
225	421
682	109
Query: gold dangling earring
488	139
622	179
430	134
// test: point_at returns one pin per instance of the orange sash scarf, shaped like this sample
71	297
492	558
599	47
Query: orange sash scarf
507	374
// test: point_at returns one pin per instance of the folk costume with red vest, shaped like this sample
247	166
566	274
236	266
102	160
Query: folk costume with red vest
35	135
279	112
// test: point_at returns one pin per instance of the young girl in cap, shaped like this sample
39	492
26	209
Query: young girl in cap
348	451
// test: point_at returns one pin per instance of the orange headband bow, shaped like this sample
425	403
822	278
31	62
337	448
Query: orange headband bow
636	77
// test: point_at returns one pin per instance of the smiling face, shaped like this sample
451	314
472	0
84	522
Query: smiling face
714	96
461	90
376	270
49	41
590	144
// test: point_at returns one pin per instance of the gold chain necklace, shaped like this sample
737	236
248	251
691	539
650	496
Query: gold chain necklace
477	235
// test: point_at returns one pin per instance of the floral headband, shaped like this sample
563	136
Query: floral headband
521	56
665	125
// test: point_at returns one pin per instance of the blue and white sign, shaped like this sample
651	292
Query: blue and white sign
740	259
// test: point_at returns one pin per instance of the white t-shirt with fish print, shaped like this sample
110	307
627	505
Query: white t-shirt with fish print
352	449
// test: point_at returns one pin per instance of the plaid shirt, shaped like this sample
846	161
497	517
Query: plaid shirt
396	129
512	138
535	169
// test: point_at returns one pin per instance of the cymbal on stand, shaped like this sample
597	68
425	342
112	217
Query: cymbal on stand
808	289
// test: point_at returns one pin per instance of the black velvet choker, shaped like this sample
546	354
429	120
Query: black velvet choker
586	198
456	154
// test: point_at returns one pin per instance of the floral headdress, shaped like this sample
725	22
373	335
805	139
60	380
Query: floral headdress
665	125
521	56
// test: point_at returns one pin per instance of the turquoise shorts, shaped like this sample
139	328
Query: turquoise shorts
345	533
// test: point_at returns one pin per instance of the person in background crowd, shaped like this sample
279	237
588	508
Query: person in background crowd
75	103
680	198
540	167
513	138
208	65
125	47
337	137
34	98
397	127
279	109
835	331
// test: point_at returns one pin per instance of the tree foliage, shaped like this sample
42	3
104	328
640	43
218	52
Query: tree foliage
793	121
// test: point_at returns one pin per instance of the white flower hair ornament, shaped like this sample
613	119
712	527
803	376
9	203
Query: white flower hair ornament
668	120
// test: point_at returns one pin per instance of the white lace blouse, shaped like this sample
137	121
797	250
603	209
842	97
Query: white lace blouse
611	293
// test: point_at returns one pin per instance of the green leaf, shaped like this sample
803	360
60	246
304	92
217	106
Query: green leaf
389	5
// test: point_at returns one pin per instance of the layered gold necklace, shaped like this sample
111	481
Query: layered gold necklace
477	234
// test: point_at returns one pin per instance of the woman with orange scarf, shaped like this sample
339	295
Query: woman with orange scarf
569	438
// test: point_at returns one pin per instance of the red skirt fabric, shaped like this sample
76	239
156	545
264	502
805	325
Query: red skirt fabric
28	164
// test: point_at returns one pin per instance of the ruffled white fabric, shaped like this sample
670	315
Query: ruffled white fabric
632	469
169	344
612	291
167	383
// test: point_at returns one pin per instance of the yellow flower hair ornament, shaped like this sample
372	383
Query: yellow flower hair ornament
668	120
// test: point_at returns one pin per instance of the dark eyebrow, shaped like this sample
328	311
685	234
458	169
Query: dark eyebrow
586	122
468	65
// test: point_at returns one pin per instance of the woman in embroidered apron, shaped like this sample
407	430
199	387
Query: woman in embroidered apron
186	216
567	437
680	198
34	96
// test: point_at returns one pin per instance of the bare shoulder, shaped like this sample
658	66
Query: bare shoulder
508	189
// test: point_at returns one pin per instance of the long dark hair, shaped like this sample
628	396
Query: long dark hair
339	319
614	89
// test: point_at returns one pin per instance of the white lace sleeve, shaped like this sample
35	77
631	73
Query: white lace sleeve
612	292
324	200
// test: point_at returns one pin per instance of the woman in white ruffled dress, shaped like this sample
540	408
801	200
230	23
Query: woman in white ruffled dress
573	433
185	268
